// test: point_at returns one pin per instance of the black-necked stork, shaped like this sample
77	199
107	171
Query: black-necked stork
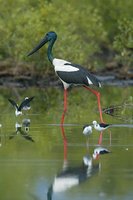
69	73
25	105
101	126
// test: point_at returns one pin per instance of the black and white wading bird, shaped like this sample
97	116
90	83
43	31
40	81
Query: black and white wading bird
101	126
25	105
69	73
87	130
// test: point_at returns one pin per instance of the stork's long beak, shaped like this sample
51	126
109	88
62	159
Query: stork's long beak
43	41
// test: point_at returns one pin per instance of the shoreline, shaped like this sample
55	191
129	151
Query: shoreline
45	81
26	75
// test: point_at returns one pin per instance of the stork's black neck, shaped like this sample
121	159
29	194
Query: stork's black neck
49	51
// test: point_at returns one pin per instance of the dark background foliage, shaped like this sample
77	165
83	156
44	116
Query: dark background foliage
95	34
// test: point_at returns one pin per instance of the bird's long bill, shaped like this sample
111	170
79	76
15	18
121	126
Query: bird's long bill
43	41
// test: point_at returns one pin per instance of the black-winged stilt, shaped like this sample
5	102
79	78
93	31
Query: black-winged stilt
25	105
69	73
87	129
101	126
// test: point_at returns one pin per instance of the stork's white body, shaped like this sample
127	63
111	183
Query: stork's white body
70	73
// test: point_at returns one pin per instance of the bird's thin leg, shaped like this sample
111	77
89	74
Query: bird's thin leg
97	94
110	137
65	163
65	100
63	134
65	107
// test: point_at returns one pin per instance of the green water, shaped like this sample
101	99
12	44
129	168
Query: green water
35	162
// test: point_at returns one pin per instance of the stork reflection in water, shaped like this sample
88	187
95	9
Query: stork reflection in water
70	175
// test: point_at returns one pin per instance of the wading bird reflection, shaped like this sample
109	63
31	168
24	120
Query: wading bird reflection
100	151
19	130
71	176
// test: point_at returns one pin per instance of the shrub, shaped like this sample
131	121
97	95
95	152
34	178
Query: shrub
24	23
123	42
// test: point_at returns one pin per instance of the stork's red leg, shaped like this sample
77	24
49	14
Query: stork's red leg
100	138
65	143
65	100
65	107
97	94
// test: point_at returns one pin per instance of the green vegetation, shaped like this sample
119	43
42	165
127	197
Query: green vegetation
91	32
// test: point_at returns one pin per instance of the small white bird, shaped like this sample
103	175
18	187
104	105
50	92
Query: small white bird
101	126
87	130
100	150
25	104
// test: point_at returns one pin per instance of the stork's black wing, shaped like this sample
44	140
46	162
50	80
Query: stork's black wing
25	103
13	103
81	76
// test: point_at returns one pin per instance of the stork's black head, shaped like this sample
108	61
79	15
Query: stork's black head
49	36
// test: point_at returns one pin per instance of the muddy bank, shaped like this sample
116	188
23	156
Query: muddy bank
25	75
45	81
